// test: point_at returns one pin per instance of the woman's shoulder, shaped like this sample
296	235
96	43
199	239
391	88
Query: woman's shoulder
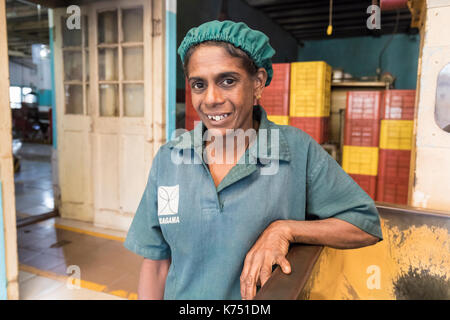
294	136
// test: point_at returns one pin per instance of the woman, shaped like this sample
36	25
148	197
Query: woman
212	225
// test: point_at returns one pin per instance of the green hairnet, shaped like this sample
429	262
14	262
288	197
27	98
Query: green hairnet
253	42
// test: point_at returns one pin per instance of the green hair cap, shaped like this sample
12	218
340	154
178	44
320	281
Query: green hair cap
253	42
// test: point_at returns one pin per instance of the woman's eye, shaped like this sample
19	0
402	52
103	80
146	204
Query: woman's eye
228	82
197	85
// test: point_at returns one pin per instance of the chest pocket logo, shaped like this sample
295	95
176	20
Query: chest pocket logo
168	200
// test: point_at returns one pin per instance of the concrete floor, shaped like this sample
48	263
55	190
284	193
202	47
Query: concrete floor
33	183
50	249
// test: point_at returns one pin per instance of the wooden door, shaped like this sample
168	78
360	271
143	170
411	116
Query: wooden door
110	108
122	122
73	110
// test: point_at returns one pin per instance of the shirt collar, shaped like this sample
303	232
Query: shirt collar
193	139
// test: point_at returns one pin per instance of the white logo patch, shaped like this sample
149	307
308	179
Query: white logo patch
168	200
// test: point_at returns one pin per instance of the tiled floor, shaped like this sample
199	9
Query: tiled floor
103	262
47	249
33	183
34	287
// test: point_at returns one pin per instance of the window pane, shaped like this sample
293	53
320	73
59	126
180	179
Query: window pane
442	111
133	63
133	95
107	64
132	25
73	68
71	37
107	27
74	99
109	106
85	26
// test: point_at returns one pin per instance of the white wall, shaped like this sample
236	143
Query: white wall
432	174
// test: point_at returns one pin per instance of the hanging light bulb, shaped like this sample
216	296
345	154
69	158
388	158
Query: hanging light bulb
330	25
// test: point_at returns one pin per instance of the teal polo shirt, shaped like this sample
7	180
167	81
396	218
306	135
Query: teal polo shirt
207	231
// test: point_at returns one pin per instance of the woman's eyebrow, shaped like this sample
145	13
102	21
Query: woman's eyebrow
218	76
194	79
228	74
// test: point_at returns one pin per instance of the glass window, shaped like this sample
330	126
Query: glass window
70	37
132	25
133	95
74	99
73	67
107	27
442	110
109	106
76	66
107	64
133	63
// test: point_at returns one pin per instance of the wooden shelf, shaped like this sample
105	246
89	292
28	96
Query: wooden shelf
360	84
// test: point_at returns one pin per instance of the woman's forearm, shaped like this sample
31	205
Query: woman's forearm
330	232
152	279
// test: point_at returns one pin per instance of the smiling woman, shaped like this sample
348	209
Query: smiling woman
230	221
223	91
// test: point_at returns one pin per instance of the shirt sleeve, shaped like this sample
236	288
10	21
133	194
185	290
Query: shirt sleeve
332	193
145	237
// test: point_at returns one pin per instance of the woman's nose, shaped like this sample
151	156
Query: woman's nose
213	96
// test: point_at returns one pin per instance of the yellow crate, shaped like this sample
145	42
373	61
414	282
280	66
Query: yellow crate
309	103
314	75
284	120
310	92
396	134
360	160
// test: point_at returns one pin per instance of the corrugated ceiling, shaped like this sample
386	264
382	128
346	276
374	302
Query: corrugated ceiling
307	20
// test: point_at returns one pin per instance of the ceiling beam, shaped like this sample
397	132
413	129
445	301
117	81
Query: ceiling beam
336	24
351	31
53	3
27	25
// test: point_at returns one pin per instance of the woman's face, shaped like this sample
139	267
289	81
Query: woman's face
223	92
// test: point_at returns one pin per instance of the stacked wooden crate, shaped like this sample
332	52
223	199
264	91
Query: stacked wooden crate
361	138
309	108
397	121
275	97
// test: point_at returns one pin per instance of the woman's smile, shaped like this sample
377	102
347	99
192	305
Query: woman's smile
218	118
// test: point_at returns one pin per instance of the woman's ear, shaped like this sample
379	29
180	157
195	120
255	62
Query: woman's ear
260	82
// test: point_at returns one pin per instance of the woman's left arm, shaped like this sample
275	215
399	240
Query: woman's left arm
273	244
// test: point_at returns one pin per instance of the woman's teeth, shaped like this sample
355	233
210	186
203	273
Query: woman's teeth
218	117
